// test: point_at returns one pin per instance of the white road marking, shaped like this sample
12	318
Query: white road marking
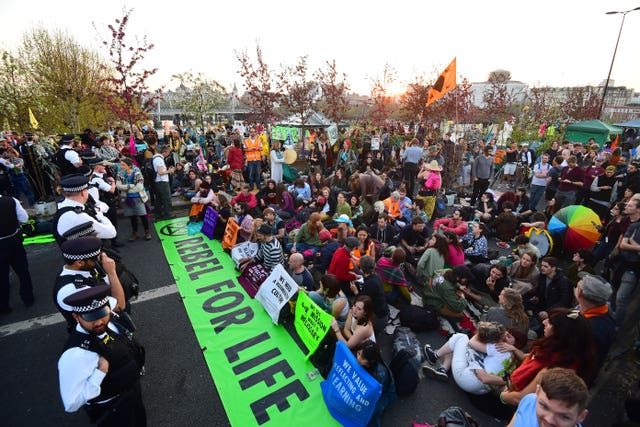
54	318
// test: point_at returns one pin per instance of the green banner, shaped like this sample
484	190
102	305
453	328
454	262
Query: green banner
258	369
311	322
281	133
38	240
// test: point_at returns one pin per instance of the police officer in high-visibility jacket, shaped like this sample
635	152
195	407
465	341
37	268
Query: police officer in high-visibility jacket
253	154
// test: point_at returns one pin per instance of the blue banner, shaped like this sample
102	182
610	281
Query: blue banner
350	393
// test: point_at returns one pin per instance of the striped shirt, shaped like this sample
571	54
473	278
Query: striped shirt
270	254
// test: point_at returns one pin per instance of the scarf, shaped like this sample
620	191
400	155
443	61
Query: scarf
390	273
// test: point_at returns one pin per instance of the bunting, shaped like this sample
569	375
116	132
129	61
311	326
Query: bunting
445	83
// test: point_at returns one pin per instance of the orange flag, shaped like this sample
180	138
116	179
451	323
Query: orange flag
445	83
614	145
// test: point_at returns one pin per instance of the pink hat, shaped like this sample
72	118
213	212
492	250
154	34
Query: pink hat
324	235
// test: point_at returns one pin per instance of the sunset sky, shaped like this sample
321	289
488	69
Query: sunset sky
557	43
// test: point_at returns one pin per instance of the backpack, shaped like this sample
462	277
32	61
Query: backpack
407	357
454	416
419	319
148	171
440	207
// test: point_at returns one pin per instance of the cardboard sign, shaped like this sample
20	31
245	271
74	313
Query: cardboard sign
252	278
311	322
276	291
210	222
350	392
375	144
244	250
230	234
332	131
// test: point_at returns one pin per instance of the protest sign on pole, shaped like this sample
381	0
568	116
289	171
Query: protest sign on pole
276	291
349	391
311	322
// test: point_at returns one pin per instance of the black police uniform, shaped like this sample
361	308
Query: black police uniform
118	401
12	254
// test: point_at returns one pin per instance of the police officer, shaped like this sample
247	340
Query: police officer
102	363
103	188
85	265
12	253
67	159
71	211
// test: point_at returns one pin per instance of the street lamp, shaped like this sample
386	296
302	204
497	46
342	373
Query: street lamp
606	85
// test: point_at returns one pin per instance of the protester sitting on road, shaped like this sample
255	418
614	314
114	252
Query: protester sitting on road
342	207
205	197
392	208
486	209
331	299
340	265
359	324
506	223
278	225
478	365
454	223
267	195
524	273
394	282
301	191
344	228
443	291
433	258
244	220
476	243
560	400
224	213
510	311
383	231
245	196
365	247
523	245
413	239
489	281
369	357
284	200
372	286
567	343
553	289
299	272
323	258
455	251
269	252
306	238
193	187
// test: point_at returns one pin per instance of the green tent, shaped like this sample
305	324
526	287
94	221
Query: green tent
582	131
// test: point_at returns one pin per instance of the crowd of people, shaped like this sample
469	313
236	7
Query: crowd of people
359	226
